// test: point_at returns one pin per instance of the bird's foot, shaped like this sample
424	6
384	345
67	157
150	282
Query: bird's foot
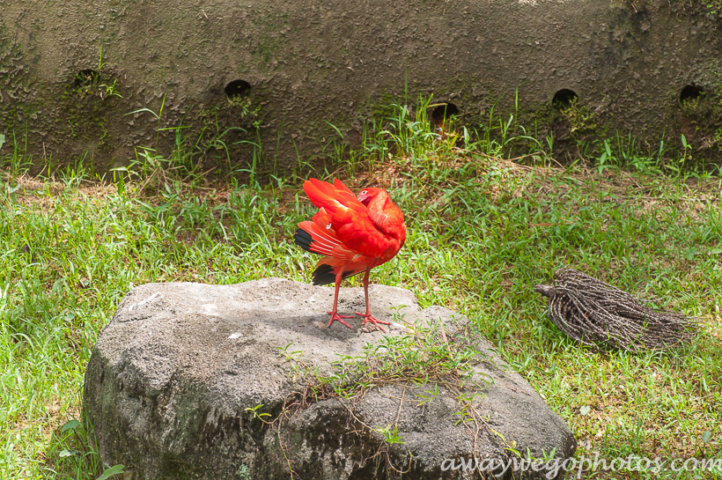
339	318
368	318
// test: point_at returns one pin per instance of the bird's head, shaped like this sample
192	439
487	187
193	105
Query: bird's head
368	194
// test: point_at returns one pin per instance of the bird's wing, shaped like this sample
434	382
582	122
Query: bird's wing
332	197
358	233
339	186
321	238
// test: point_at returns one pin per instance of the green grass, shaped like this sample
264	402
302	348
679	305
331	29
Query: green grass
482	232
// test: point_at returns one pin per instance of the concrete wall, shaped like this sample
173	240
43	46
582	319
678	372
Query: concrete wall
309	61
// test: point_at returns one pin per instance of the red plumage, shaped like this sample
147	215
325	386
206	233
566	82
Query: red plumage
353	234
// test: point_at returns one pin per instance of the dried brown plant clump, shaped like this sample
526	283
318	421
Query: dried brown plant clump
600	315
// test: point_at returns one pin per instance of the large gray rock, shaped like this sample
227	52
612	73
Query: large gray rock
172	375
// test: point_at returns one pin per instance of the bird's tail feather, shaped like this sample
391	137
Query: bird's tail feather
327	269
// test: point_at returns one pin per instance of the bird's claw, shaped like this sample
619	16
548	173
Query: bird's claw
339	318
368	318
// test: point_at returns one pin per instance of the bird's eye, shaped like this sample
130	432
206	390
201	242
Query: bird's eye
364	192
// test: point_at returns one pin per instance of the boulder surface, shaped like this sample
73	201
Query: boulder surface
180	380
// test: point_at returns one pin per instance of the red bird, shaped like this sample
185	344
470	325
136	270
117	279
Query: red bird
354	235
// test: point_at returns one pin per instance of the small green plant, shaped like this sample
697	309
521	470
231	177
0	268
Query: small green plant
690	106
625	152
94	82
18	160
70	455
262	416
155	170
606	159
428	396
390	434
257	157
158	117
245	106
111	472
244	473
581	118
686	156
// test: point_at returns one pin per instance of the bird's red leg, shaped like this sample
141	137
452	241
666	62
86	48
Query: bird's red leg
367	316
336	316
